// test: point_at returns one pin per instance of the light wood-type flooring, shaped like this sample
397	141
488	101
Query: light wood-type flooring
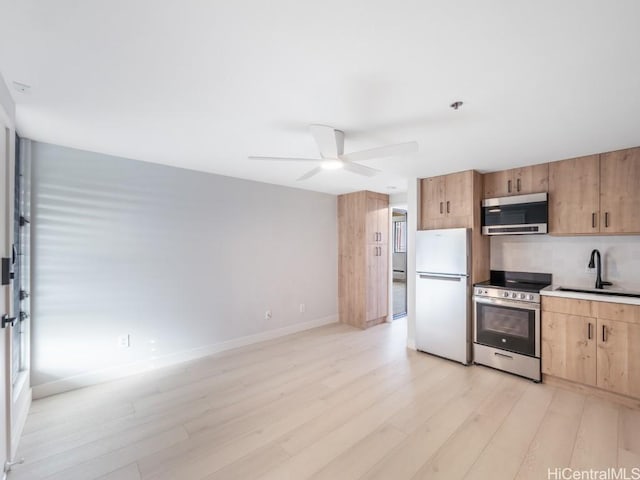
329	403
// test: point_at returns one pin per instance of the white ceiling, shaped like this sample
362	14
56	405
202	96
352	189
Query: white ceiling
202	84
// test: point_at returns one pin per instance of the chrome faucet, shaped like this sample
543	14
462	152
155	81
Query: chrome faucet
594	262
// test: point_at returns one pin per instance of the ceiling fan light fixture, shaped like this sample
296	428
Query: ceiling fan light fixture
332	164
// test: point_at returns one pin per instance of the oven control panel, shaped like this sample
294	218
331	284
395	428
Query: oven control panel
493	292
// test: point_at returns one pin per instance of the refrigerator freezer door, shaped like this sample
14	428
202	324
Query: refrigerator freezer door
443	251
442	316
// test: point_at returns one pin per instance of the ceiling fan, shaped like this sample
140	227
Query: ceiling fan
331	145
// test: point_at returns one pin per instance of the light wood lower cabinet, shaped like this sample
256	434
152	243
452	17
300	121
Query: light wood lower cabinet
600	346
569	347
619	357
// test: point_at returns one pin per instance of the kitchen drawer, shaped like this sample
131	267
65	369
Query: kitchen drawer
569	306
617	311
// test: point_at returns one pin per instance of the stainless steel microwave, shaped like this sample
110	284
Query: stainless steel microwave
516	215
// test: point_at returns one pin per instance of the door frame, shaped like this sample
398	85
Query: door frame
392	248
398	202
18	395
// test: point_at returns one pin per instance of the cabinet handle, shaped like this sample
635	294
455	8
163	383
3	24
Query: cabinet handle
379	251
593	219
589	331
448	205
604	333
518	184
606	219
509	186
441	212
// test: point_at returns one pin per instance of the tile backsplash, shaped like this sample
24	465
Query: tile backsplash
567	258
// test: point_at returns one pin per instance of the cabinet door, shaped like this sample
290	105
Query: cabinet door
376	289
533	179
459	194
372	216
619	357
383	220
497	184
620	191
569	347
371	286
432	201
574	195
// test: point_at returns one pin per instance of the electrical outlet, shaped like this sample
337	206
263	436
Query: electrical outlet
303	308
267	315
124	341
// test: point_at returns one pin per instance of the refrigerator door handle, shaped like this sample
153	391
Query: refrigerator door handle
442	276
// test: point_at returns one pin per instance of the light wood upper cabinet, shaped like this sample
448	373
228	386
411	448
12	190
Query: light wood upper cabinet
447	200
458	189
574	201
600	346
620	191
377	218
517	181
595	194
433	198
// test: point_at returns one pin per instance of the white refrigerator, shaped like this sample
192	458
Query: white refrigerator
443	282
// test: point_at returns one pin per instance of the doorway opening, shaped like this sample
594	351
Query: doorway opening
399	262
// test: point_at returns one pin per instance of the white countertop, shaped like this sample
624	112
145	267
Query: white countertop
552	291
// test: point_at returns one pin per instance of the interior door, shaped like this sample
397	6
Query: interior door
5	290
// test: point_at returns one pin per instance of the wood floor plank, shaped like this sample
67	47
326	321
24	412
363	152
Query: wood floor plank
359	458
510	443
473	434
130	472
554	441
597	439
440	419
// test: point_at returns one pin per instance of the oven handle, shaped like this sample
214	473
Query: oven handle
506	303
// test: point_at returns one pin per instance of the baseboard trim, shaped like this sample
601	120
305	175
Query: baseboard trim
121	371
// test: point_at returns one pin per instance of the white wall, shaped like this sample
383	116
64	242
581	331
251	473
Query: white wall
185	262
567	258
413	202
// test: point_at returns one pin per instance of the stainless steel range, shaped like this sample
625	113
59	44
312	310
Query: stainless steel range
506	322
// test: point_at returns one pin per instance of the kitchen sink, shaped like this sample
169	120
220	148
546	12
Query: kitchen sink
599	292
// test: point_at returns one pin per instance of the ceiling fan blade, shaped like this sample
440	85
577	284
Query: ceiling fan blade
286	159
330	141
386	151
310	173
360	169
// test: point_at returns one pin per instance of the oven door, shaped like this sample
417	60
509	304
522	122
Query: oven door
507	324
